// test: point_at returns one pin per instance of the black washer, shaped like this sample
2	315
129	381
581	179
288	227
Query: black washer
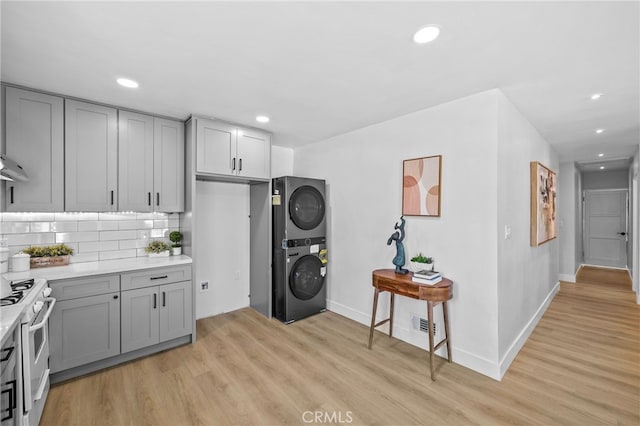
305	279
306	207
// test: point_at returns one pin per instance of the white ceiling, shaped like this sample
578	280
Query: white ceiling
321	69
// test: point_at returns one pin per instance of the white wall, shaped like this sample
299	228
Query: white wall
567	203
223	257
527	276
578	221
363	170
281	161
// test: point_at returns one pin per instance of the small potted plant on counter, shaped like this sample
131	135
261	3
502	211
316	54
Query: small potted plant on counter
158	249
421	262
176	237
42	257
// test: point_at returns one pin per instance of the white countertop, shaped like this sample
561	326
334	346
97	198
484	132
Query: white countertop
10	315
85	269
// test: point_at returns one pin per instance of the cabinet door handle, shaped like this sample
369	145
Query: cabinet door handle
157	198
115	296
12	195
149	198
158	278
240	167
233	164
111	197
9	351
155	300
164	298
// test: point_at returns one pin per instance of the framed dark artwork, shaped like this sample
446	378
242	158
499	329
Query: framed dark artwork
421	191
543	204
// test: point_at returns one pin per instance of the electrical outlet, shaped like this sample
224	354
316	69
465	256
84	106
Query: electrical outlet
204	285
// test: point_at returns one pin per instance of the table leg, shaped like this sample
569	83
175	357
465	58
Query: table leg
393	298
373	316
445	312
430	319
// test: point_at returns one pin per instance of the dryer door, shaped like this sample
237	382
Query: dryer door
306	278
306	207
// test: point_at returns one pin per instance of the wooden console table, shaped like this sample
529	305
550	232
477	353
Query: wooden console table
388	280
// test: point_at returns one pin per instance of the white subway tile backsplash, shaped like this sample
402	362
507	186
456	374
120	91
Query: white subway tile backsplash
95	225
117	254
31	239
117	216
70	226
39	226
14	228
27	217
91	246
85	257
129	244
65	217
74	237
92	236
161	223
159	233
118	235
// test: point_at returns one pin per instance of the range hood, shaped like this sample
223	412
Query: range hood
10	170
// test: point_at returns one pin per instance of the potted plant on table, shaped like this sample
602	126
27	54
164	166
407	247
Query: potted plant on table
176	238
421	262
57	255
157	249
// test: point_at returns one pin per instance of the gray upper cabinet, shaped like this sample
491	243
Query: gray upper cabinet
151	163
135	162
91	157
168	165
254	154
227	150
35	140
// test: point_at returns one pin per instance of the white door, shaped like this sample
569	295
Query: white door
606	228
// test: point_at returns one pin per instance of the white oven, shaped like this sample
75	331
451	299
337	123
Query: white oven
35	356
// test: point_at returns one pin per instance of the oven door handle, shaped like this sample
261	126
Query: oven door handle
52	302
43	384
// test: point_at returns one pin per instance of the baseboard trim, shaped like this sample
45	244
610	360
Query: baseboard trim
567	277
519	342
419	339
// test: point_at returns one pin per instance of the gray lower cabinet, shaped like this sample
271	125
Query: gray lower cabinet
84	330
100	321
155	314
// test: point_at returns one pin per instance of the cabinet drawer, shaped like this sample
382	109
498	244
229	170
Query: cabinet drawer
82	287
159	276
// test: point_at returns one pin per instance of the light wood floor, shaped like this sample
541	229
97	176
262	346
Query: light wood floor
580	366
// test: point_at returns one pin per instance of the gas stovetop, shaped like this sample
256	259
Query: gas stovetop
20	289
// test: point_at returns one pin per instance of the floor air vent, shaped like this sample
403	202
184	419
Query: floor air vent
422	324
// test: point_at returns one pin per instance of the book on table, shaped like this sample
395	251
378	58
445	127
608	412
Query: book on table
429	281
426	274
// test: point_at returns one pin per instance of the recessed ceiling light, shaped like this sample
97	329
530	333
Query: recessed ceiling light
601	167
262	119
426	34
598	131
600	155
127	83
596	96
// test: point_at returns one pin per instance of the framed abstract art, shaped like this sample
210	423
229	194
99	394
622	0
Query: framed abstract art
543	204
421	186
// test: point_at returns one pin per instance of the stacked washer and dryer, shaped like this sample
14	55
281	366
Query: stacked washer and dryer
299	248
